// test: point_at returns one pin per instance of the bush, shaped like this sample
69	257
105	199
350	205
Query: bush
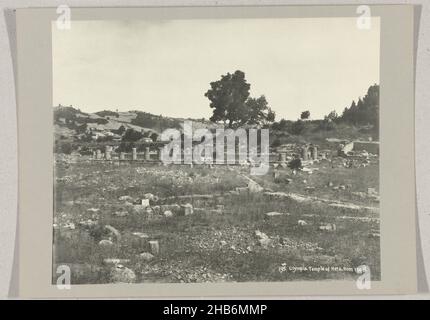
326	125
297	127
295	164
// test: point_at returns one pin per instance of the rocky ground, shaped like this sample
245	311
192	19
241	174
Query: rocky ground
136	223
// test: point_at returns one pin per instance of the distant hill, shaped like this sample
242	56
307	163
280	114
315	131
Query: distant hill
72	124
75	128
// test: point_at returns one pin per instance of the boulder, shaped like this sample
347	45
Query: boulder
187	209
121	274
120	213
175	208
263	238
328	227
114	233
115	261
155	247
105	243
302	223
144	203
125	198
275	213
168	214
146	256
254	187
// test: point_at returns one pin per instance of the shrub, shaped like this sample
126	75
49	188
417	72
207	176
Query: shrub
295	164
297	127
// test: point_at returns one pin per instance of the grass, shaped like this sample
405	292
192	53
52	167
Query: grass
209	246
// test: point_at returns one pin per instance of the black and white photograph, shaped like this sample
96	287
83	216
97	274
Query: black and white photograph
223	150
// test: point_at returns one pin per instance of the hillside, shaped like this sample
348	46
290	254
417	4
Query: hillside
72	124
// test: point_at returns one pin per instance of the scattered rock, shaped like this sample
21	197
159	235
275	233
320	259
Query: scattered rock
115	261
105	243
121	274
155	247
371	191
146	256
145	203
274	213
302	223
188	209
254	187
175	208
120	213
168	214
328	227
113	232
310	189
88	223
70	226
125	198
263	238
148	196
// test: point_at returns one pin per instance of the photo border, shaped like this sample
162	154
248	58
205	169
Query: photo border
397	167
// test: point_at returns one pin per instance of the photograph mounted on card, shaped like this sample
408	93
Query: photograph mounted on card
216	151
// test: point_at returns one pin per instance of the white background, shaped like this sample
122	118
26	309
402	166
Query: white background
8	127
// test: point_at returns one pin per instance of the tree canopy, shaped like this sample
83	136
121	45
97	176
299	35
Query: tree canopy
231	102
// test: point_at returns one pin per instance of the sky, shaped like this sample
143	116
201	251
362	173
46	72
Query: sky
165	67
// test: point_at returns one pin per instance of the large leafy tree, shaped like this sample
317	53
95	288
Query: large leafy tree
231	104
258	111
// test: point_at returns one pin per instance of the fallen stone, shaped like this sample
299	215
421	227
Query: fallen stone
168	214
70	226
188	209
146	256
175	208
263	238
141	235
121	274
148	196
242	190
328	227
125	198
113	232
155	247
310	189
145	203
88	223
275	213
120	213
105	243
302	223
115	261
374	235
371	191
254	187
